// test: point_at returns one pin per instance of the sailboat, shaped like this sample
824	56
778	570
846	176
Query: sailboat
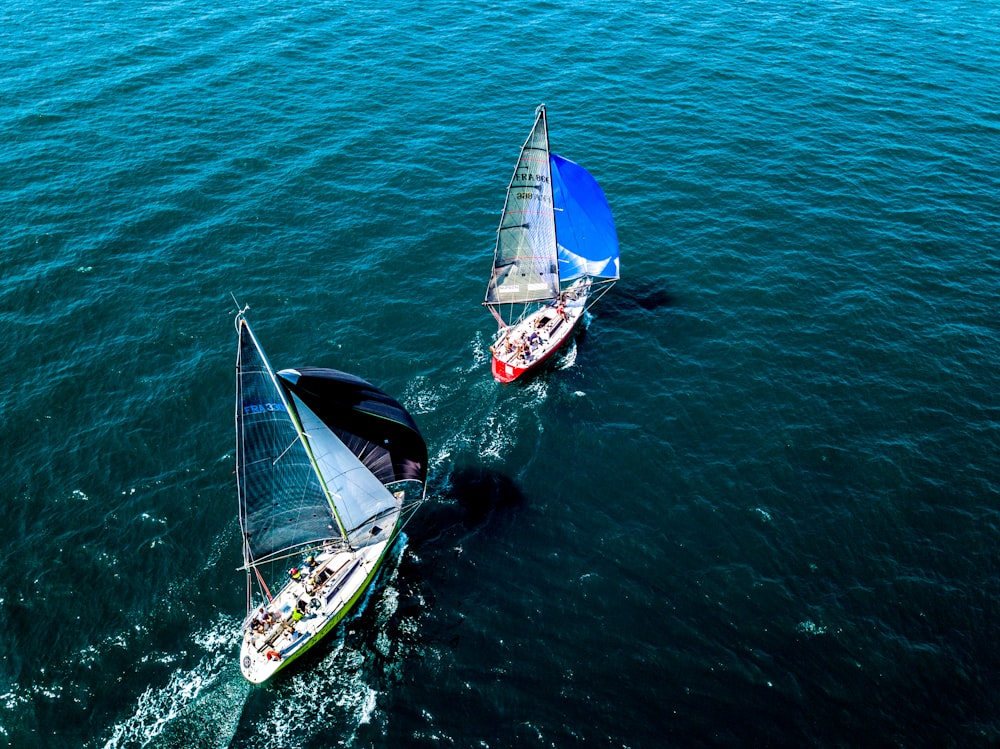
329	468
556	254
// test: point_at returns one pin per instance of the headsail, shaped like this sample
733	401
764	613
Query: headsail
525	265
362	440
588	242
373	425
282	503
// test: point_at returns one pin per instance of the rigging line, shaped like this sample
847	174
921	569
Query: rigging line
290	446
410	510
260	579
333	541
242	308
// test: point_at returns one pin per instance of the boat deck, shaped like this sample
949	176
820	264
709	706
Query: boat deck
536	337
306	608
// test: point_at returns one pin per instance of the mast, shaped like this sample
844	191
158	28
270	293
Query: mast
552	191
240	489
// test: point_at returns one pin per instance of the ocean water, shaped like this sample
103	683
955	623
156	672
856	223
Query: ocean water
754	503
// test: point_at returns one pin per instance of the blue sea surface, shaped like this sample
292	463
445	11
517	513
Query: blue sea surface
755	501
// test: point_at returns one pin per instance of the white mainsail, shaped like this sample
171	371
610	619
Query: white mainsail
525	263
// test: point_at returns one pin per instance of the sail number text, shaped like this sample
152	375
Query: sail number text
259	408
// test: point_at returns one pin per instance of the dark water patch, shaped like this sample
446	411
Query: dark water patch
472	498
649	295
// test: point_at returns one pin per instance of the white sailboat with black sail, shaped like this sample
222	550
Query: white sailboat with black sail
556	254
329	468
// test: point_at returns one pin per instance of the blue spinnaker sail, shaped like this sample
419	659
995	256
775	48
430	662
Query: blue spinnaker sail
585	228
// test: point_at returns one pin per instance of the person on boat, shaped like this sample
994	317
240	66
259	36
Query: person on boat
561	310
300	610
522	349
311	565
259	623
295	573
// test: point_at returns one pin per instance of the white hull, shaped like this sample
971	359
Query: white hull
327	593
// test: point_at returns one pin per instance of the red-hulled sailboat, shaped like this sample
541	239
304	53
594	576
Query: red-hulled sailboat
556	254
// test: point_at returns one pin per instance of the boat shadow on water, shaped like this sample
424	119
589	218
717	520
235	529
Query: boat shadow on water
470	499
629	296
474	503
